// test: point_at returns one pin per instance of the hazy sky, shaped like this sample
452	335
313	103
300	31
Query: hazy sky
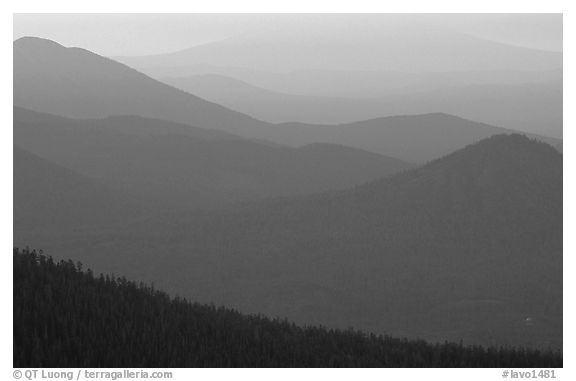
141	34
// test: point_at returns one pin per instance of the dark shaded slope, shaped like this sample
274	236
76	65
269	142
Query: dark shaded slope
67	317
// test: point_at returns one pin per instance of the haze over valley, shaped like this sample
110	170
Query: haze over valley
400	178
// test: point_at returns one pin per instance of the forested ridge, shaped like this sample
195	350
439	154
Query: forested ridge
66	316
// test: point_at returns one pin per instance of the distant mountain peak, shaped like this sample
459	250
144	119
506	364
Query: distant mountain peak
49	77
498	150
509	143
39	44
29	40
511	160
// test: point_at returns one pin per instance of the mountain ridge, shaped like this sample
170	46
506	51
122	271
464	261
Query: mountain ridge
189	167
51	82
526	107
281	50
71	70
417	254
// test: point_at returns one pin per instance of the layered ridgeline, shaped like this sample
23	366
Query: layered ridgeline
291	74
366	46
74	82
466	247
65	316
534	105
171	164
78	83
53	198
